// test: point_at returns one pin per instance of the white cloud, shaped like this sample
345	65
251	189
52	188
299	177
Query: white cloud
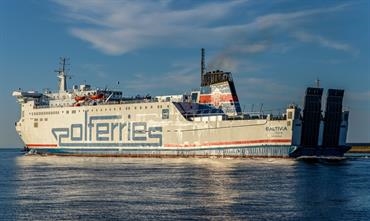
306	37
181	77
118	27
252	48
267	88
291	18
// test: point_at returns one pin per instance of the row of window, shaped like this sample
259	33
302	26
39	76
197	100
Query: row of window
45	113
93	110
165	115
146	107
41	119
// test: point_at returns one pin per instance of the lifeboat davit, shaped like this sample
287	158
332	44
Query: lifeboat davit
80	98
96	96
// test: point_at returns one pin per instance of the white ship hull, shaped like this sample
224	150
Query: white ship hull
140	130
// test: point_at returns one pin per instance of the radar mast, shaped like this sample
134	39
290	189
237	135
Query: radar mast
62	75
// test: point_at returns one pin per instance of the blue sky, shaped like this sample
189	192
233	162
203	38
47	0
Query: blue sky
274	48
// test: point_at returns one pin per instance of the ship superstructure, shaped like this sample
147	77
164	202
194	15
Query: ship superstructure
205	123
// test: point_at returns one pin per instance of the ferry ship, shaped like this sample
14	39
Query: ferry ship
207	122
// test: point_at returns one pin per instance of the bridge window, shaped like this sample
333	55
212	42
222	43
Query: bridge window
165	114
290	115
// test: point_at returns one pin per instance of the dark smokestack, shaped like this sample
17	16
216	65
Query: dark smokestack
202	65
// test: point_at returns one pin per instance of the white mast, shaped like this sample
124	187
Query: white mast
62	83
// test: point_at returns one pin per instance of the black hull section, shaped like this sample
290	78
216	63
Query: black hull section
324	152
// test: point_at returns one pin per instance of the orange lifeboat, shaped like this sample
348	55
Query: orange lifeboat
96	96
79	98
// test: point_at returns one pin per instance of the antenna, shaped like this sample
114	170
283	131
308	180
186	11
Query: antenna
317	82
202	65
63	63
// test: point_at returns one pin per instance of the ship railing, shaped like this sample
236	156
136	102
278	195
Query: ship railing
240	116
257	115
200	114
134	101
41	106
271	114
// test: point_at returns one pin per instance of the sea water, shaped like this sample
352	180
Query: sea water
93	188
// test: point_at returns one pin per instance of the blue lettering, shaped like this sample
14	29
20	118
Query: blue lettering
113	126
85	125
90	125
139	131
121	126
73	132
55	132
156	132
129	132
103	130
